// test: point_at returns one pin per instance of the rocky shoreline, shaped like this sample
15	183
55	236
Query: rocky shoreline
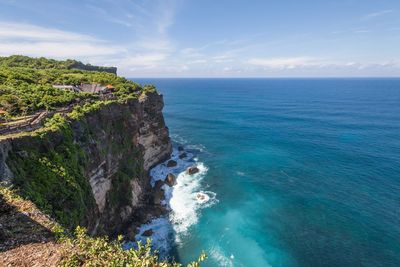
160	206
179	191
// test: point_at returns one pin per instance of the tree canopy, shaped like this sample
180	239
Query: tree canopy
26	84
45	63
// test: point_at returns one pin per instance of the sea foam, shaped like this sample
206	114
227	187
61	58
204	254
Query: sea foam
185	201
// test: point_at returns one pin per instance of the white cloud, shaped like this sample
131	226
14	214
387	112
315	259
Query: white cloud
145	60
26	39
197	61
227	57
102	13
56	49
150	45
147	45
15	31
377	14
166	11
142	45
284	63
153	44
191	53
311	65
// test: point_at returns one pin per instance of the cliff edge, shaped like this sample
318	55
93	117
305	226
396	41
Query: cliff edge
94	170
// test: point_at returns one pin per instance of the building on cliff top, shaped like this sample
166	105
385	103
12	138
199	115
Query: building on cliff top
93	88
68	88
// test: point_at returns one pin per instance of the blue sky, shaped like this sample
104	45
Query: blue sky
210	38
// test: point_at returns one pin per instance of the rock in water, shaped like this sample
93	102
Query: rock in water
171	163
180	148
192	170
170	180
200	196
183	155
148	232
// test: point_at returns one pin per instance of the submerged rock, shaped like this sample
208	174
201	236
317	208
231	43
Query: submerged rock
170	179
192	170
148	232
171	163
183	155
180	148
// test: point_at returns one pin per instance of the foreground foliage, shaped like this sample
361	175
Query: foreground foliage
88	251
79	249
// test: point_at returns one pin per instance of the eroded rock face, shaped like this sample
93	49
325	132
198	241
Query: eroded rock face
120	143
154	135
100	185
133	139
158	194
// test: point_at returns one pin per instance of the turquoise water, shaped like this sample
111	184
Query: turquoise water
306	172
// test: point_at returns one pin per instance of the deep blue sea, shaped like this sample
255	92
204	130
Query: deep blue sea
297	172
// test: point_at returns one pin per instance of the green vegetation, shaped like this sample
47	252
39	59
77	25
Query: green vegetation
87	251
49	165
44	63
50	172
26	84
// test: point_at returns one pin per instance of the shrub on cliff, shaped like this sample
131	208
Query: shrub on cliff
88	251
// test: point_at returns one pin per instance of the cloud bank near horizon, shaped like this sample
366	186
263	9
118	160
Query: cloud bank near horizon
145	40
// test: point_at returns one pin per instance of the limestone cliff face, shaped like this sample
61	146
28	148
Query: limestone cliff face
117	145
152	137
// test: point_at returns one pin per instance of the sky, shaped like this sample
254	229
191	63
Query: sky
210	38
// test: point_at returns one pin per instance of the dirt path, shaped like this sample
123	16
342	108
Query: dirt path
26	238
37	254
31	122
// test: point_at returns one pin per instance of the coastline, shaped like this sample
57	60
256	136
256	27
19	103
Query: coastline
183	202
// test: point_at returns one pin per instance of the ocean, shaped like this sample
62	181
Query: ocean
293	172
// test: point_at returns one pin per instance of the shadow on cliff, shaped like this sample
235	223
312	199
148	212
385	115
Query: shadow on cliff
20	228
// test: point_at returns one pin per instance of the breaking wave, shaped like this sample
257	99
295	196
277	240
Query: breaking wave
185	200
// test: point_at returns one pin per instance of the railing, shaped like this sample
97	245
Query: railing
33	122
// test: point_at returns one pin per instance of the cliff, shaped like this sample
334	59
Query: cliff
93	171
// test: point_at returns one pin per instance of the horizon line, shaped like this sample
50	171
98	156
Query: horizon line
258	77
